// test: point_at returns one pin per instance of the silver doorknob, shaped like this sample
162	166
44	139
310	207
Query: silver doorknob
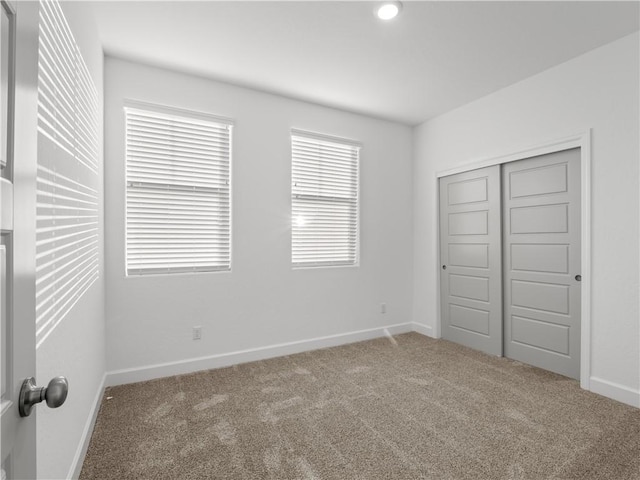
55	393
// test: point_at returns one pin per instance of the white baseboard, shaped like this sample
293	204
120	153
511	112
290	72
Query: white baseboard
132	375
608	389
423	329
83	446
615	391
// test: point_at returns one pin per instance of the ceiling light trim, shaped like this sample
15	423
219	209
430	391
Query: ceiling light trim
388	10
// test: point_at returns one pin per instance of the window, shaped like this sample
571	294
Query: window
324	193
178	191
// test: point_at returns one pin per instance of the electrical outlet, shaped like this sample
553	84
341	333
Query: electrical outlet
383	308
197	333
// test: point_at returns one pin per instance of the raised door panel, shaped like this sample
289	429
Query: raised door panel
469	255
539	219
539	257
532	182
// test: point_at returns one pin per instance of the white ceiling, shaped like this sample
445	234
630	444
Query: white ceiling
432	58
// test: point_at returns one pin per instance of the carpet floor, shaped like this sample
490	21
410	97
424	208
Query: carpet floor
408	408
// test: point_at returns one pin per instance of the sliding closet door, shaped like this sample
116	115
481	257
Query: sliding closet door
470	281
541	202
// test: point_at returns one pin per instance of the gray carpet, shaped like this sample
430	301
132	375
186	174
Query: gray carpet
416	408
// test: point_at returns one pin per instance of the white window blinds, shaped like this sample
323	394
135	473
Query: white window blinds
324	193
178	192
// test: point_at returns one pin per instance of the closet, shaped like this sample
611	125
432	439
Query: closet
510	260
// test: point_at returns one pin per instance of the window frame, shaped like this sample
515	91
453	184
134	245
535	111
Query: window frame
341	142
191	115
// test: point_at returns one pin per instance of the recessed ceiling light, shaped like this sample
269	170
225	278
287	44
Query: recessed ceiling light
388	10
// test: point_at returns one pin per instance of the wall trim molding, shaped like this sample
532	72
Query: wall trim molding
150	372
580	140
599	386
423	329
83	445
615	391
542	148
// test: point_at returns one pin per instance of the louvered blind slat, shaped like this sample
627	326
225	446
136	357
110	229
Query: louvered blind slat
324	192
178	193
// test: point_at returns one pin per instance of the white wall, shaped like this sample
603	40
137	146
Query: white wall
598	91
262	301
76	348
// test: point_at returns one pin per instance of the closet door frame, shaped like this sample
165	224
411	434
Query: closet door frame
583	142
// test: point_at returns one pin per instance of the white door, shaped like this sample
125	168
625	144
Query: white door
471	268
18	153
541	224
